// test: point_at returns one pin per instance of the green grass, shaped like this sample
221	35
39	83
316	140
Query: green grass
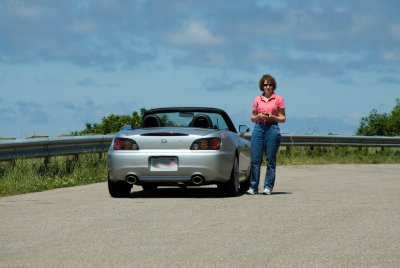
34	174
298	155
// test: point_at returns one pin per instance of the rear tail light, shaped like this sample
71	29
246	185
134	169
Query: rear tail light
125	144
206	144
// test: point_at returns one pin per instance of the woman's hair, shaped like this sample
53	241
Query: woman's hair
269	79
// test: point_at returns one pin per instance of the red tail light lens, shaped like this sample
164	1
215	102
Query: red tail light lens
206	144
214	144
125	144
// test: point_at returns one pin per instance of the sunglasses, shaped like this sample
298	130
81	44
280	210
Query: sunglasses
268	85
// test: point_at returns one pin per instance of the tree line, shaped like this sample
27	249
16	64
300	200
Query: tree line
112	124
375	124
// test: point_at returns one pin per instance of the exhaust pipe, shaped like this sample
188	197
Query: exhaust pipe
131	179
198	180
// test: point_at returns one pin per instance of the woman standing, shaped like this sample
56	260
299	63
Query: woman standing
268	111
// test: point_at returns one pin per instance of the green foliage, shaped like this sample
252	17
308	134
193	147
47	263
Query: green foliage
316	155
34	174
381	124
112	124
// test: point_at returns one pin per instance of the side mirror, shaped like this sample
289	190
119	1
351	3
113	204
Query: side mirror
243	129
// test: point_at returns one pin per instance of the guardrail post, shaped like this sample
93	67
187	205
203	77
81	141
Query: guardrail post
288	150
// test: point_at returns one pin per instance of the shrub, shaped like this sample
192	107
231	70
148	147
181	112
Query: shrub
381	124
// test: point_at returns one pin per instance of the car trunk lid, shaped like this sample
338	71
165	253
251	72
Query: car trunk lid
168	138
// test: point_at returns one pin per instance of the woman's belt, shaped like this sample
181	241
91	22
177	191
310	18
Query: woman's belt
267	123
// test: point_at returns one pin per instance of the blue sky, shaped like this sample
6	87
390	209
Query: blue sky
67	62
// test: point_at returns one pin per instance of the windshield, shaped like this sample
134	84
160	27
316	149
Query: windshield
184	119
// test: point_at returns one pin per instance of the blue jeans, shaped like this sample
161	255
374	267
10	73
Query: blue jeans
265	138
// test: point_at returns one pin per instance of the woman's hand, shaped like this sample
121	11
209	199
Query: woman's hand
262	116
273	117
281	118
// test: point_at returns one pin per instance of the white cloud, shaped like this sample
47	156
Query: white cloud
362	23
353	119
193	33
394	30
263	55
390	56
82	26
28	12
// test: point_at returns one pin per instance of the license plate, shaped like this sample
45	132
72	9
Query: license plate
163	164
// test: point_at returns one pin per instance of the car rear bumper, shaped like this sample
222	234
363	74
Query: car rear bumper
213	166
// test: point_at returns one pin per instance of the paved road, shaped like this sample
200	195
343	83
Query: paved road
318	216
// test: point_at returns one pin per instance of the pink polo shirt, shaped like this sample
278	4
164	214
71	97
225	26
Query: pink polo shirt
260	105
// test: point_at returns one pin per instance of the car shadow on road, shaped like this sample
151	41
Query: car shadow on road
195	192
176	192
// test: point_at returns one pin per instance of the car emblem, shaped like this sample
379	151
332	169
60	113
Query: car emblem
163	141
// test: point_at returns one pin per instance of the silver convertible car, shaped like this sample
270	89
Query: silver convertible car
180	146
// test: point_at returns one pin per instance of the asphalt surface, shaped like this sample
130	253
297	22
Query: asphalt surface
317	216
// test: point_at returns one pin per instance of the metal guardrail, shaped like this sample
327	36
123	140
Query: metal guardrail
356	141
46	147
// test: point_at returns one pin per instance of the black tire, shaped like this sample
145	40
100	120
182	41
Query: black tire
244	185
119	189
149	187
231	188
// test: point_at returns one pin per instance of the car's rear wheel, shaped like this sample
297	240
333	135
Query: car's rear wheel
244	186
119	189
231	188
